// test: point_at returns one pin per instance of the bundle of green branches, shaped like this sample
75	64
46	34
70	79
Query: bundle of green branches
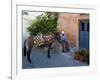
45	23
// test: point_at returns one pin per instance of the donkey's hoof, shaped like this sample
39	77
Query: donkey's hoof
29	61
49	56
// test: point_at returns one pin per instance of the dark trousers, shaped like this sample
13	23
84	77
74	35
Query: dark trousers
65	46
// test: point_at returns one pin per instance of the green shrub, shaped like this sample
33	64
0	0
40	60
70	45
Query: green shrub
83	53
44	24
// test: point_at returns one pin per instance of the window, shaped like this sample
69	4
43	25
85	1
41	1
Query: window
82	26
88	26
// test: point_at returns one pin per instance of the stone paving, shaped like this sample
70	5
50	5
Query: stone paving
58	59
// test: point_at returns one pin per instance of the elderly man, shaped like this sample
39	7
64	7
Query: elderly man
64	42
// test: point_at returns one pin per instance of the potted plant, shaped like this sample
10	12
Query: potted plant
76	55
82	56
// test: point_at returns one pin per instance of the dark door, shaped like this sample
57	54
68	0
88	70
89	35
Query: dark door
84	34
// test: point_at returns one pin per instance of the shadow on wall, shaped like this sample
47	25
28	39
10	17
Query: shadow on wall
71	40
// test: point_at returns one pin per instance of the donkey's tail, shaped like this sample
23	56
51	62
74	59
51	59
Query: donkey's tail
25	51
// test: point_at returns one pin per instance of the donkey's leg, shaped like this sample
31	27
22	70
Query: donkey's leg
48	53
49	47
28	55
25	48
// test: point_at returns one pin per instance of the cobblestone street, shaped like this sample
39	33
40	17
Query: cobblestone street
58	59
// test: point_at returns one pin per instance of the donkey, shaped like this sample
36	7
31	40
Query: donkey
47	42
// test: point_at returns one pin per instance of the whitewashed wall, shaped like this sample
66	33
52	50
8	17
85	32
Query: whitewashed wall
27	19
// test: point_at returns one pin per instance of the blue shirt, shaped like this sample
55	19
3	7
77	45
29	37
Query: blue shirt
63	37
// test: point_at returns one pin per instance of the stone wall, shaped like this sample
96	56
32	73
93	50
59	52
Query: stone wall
69	22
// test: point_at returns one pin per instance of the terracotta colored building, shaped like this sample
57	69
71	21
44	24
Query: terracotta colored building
76	27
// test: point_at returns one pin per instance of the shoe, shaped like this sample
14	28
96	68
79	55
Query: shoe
68	49
63	51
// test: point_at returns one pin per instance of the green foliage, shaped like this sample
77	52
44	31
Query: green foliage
83	53
44	24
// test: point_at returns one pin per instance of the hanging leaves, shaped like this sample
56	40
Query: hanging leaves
45	23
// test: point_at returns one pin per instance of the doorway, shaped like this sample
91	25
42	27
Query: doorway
84	34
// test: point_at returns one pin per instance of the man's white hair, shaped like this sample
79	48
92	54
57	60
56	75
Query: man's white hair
62	32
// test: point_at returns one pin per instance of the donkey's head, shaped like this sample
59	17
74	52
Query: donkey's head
57	36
